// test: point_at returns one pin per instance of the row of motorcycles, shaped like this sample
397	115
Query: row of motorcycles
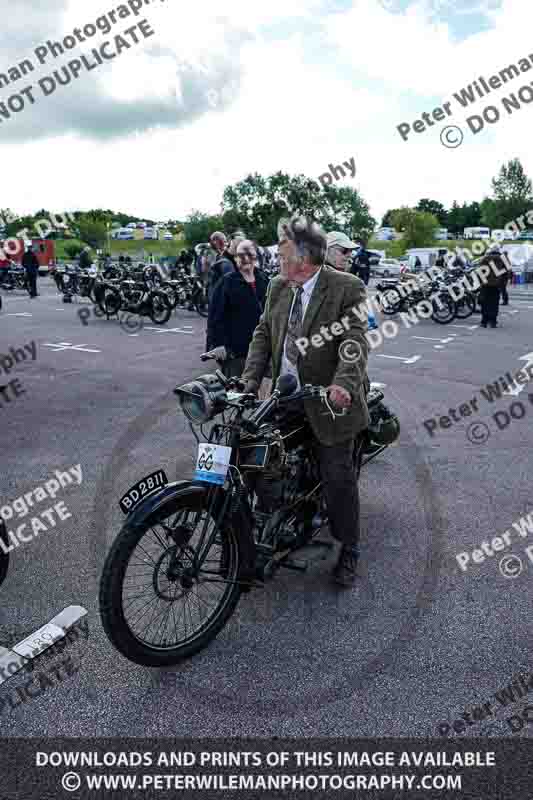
13	277
142	290
446	304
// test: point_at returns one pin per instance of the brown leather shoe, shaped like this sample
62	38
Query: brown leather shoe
344	571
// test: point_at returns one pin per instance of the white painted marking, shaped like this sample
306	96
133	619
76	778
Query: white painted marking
438	347
169	330
12	661
428	339
377	385
21	314
410	360
68	346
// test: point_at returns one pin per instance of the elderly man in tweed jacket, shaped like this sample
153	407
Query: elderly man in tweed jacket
310	328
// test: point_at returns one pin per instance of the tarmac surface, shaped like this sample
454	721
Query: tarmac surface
418	642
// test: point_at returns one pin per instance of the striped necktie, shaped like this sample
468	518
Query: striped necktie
294	329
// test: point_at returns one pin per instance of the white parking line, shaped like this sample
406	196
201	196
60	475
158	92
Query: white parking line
428	339
169	330
68	346
21	314
405	359
13	660
468	327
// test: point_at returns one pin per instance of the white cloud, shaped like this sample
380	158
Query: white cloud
295	102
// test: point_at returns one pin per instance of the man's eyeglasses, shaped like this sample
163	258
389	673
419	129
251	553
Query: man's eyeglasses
246	256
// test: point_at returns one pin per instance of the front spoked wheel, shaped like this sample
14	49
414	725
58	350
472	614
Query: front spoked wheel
158	606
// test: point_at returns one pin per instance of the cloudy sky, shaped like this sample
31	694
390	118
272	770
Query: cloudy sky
228	87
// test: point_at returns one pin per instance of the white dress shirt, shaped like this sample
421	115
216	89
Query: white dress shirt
286	365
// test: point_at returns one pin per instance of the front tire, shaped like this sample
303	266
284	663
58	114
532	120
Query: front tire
164	563
160	309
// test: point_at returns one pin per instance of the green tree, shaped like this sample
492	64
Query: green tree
257	203
435	208
456	219
198	227
73	249
418	227
91	231
512	191
386	222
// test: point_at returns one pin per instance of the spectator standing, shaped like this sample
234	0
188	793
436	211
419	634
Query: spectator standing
223	264
506	278
491	289
85	259
236	306
31	265
361	264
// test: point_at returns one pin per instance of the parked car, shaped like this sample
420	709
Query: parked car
526	236
168	236
151	233
387	268
123	233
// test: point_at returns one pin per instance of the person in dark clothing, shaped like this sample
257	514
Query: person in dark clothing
31	265
490	291
223	264
505	279
85	258
236	307
440	261
361	264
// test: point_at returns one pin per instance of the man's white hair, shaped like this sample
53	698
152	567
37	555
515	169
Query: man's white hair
309	238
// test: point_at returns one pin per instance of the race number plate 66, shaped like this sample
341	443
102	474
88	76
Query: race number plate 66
142	489
212	463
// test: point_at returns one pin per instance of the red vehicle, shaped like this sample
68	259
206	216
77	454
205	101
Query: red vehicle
44	249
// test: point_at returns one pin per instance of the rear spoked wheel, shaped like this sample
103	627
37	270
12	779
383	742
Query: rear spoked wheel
158	605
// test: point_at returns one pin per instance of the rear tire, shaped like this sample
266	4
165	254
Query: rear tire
115	578
443	312
465	307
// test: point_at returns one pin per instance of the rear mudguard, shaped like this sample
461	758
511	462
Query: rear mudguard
170	498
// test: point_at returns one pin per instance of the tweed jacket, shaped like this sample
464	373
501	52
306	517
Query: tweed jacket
336	352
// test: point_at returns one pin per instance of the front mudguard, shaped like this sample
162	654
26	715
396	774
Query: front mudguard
170	499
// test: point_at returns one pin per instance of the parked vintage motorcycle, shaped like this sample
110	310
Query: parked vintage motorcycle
188	549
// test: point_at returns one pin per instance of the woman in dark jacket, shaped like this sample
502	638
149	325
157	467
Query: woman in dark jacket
236	306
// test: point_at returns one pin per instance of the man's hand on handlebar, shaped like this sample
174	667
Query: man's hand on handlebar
339	396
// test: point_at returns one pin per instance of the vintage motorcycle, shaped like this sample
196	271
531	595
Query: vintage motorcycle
188	549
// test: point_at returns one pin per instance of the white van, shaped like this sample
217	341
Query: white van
123	233
476	233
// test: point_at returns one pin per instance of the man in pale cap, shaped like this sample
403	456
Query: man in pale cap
339	252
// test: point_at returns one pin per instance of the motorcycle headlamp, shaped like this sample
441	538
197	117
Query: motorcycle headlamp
202	399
